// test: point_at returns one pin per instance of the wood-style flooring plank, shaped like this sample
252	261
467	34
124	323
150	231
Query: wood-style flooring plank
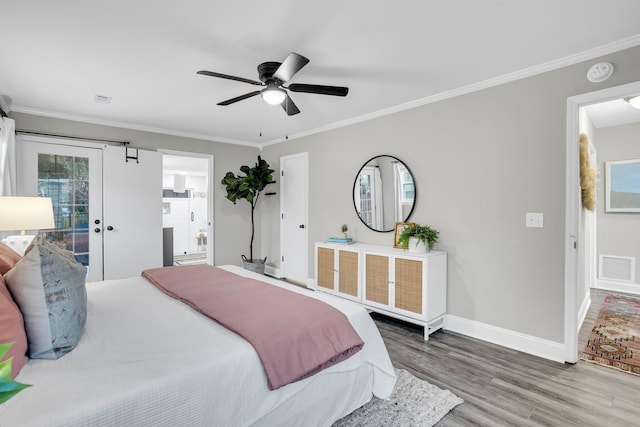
504	387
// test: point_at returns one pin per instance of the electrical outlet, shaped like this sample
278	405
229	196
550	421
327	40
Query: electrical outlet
534	220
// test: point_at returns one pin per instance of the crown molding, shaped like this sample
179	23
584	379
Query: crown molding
125	125
474	87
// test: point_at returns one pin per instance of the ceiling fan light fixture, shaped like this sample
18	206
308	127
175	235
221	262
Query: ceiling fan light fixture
273	95
634	101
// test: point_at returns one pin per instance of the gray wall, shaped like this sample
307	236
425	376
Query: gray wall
231	222
618	233
481	161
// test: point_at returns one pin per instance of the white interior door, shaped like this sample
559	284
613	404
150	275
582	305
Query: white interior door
72	177
132	212
294	188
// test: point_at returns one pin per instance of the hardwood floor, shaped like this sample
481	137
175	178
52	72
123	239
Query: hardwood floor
504	387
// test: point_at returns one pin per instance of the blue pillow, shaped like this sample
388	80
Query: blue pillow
48	285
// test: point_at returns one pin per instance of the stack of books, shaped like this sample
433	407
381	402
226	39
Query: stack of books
343	240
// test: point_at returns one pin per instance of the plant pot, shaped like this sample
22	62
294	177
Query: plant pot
255	265
417	246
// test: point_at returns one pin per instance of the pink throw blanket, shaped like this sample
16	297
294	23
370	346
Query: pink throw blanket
295	336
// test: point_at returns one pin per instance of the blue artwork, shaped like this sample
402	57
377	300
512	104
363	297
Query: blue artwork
623	186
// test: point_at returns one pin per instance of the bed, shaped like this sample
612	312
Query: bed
146	359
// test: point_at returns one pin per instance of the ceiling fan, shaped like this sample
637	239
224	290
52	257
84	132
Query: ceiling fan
272	76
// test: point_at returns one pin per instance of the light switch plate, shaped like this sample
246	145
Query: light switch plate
534	219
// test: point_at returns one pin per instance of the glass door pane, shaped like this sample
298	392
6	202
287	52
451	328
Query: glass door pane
66	180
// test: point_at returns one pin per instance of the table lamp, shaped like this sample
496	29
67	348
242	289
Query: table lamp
24	213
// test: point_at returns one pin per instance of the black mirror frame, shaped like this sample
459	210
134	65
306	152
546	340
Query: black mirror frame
355	182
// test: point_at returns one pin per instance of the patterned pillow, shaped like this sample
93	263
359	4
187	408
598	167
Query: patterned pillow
12	330
48	286
8	258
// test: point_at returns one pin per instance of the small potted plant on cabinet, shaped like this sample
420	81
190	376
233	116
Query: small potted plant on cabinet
249	187
418	238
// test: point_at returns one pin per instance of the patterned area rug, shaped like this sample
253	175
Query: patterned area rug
615	337
414	402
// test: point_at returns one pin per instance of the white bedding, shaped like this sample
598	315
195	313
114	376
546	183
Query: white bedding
146	359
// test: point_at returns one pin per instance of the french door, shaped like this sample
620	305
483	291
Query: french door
72	177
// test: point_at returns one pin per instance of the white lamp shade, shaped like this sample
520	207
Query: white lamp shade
25	213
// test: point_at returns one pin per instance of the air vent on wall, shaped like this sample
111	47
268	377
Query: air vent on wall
617	268
102	99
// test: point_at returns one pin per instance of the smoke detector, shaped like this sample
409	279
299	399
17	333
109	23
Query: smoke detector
600	72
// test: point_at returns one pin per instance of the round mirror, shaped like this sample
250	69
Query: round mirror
384	193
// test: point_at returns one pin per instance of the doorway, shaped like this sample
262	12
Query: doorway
187	206
294	189
574	233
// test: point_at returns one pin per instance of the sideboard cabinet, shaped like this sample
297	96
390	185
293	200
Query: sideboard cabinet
393	282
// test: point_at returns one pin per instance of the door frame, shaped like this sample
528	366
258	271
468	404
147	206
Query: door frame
305	201
210	202
573	234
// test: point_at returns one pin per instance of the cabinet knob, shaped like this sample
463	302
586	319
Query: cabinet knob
97	229
109	227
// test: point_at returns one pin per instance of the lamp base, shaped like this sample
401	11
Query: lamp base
19	243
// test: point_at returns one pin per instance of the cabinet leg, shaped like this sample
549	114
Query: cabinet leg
426	332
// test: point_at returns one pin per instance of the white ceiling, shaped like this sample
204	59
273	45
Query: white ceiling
57	56
184	165
612	113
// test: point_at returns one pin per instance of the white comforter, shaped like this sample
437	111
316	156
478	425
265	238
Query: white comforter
146	359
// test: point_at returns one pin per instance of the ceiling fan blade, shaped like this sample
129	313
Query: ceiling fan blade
239	98
322	90
226	76
289	107
291	65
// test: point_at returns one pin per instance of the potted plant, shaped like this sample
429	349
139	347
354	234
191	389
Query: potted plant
418	238
8	387
248	187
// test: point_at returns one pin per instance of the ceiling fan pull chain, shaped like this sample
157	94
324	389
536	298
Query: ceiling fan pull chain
261	101
286	126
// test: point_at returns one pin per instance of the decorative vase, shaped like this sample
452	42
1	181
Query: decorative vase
417	246
255	265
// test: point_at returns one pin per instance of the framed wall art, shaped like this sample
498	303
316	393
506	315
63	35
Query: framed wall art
400	226
622	186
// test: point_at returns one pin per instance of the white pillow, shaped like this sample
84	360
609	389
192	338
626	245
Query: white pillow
48	286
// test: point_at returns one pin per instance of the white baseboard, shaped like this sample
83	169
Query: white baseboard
611	285
526	343
584	308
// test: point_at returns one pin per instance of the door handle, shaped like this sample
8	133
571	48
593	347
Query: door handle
301	225
109	228
192	217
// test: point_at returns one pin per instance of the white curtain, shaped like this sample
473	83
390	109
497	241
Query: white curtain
378	207
7	157
397	201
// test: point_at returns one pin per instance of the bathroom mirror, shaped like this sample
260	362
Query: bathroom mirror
384	193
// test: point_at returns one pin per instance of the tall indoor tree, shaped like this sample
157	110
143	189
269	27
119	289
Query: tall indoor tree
248	187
